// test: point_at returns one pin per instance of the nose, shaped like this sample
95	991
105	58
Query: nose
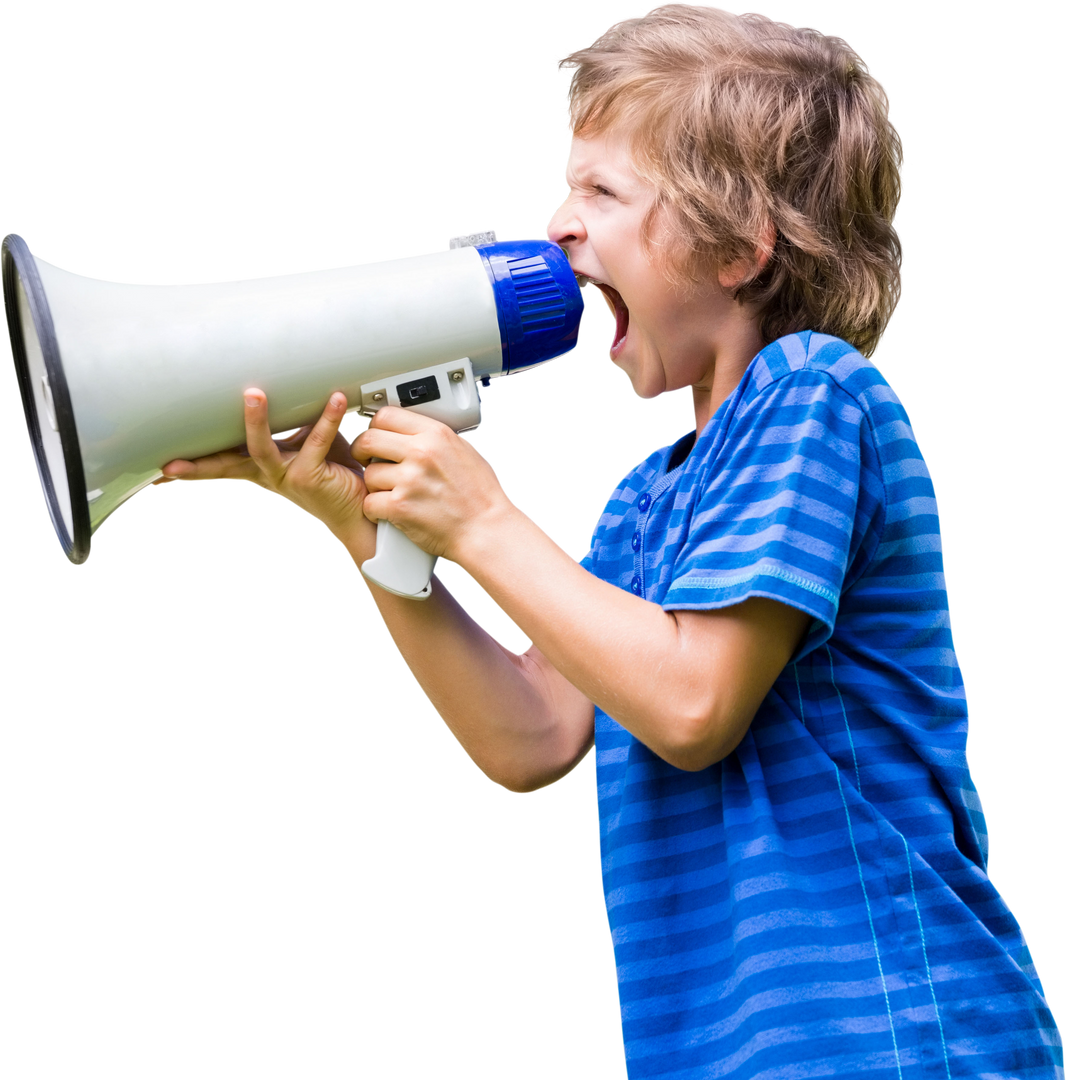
566	226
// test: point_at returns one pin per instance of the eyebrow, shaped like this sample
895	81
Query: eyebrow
594	176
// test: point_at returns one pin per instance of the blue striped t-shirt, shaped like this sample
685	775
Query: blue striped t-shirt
817	903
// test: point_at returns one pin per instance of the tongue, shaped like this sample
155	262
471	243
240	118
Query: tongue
621	324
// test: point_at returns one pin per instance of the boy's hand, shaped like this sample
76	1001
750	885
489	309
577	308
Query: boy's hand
430	483
313	468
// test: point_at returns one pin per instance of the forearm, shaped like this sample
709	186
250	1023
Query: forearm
519	728
622	652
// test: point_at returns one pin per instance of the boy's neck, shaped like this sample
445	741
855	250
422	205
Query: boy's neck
734	353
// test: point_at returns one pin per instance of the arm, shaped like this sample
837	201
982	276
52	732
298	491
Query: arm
520	721
687	684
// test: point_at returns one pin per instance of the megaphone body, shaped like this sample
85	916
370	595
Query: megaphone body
117	380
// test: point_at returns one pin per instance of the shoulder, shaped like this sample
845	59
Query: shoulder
813	360
813	388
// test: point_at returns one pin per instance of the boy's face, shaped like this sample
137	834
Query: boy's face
665	337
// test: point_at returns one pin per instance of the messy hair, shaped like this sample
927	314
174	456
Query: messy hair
755	133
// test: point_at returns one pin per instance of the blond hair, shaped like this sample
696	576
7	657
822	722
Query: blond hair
744	126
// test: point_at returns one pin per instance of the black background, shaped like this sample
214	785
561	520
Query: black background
237	826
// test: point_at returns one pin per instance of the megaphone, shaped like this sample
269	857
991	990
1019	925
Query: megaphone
117	380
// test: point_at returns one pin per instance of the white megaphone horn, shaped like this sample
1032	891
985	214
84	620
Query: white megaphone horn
117	380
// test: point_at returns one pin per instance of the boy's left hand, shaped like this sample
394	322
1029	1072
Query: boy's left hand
426	480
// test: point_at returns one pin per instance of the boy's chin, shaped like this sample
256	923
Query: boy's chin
645	392
643	388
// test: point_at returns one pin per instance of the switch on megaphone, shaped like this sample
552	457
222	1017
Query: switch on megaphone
117	380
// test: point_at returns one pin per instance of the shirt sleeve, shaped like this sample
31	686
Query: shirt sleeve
789	502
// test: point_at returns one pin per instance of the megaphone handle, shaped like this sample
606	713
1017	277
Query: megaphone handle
399	565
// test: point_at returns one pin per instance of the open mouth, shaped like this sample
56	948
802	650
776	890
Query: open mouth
621	314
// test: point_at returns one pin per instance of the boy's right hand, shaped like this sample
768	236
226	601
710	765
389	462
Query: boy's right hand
313	468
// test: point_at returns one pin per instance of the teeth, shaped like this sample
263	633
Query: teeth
584	279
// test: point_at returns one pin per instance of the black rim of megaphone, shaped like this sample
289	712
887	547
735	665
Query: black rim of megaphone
18	264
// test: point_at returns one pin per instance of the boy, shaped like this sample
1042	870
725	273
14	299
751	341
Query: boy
758	641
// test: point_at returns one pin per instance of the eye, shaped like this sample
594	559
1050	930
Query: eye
596	189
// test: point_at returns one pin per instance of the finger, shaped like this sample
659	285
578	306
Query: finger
402	421
392	431
321	438
260	443
381	476
380	443
178	469
392	418
229	464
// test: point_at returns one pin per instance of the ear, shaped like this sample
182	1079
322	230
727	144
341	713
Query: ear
748	267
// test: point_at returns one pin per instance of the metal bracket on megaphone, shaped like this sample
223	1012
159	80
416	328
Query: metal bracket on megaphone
448	393
476	239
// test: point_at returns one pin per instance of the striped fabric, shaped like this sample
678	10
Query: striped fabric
817	904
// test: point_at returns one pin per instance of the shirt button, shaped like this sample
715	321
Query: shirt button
645	502
635	587
635	542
